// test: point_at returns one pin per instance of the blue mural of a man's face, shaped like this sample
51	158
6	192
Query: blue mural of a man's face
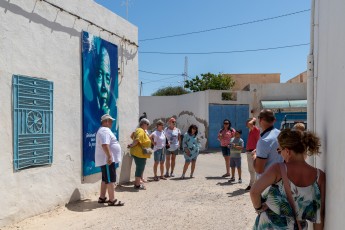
103	81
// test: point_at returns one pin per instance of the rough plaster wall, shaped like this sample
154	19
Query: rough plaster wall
187	109
330	105
40	41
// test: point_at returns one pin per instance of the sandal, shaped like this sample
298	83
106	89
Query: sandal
156	178
113	203
163	178
139	187
226	175
102	200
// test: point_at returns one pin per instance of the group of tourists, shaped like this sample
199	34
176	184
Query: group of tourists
164	144
285	190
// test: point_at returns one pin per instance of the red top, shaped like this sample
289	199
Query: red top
225	135
253	138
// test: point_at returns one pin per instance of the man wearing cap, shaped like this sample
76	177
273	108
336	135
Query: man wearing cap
266	152
107	153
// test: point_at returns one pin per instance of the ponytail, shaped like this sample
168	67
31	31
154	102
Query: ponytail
311	142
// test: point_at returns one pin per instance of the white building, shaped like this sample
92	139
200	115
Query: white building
38	39
326	86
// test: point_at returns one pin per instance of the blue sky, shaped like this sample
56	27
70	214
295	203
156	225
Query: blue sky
163	18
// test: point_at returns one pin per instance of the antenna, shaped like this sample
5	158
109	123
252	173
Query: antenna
185	74
127	5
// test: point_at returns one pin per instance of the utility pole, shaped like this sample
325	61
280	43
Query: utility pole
185	74
127	5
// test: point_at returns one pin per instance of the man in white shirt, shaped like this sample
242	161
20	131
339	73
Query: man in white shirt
107	153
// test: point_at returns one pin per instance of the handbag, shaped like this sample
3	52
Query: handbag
288	192
147	151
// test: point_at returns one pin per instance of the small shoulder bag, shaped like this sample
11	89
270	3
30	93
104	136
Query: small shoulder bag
288	192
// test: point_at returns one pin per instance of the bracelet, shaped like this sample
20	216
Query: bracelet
259	210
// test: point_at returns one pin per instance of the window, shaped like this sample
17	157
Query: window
32	122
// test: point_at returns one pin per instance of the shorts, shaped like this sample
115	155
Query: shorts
225	151
159	155
235	162
108	173
172	152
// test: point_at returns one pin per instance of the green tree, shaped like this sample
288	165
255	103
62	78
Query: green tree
210	81
170	91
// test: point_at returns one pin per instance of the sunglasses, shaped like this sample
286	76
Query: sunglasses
173	122
225	123
279	150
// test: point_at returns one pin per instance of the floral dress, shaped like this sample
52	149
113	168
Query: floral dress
279	214
191	142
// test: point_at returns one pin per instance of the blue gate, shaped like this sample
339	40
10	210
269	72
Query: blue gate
237	114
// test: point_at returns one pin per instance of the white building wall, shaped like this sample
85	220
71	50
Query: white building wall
38	40
329	78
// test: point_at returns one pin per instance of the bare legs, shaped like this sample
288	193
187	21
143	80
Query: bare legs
239	171
173	158
161	167
161	164
227	165
185	167
167	164
170	158
111	190
155	166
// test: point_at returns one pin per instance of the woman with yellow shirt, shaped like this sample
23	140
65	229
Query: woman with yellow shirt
140	140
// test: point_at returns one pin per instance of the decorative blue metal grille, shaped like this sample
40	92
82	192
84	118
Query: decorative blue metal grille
32	121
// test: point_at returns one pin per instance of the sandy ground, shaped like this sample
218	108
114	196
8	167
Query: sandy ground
207	201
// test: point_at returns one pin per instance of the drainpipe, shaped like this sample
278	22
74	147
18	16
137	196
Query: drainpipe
310	80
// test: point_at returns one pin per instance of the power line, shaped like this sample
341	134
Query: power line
225	52
90	22
225	27
143	71
159	79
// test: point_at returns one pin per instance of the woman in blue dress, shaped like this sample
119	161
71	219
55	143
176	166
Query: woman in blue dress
190	149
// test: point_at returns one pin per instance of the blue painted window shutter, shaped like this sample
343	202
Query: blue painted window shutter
32	122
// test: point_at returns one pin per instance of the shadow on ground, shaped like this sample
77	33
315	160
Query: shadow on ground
224	183
237	192
86	205
128	187
179	178
216	178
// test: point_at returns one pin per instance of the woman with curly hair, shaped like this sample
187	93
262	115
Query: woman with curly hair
296	190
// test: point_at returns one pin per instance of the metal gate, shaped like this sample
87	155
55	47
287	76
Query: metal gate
32	122
237	114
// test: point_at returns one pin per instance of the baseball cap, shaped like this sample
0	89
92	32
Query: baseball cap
106	117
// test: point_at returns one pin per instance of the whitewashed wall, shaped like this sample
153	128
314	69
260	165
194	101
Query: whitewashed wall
329	56
187	109
40	41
